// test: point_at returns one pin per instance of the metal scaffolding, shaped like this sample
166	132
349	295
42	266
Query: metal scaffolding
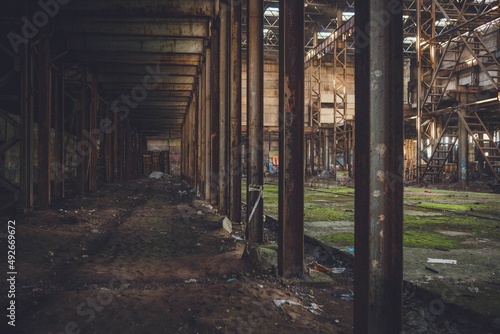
451	45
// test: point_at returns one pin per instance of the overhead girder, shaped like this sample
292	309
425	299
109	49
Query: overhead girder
134	26
142	69
141	58
165	8
136	44
141	79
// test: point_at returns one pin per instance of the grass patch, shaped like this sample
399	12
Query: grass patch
422	239
339	239
318	213
450	206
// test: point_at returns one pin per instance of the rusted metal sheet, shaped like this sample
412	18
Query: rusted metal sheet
44	120
255	121
235	167
291	151
379	169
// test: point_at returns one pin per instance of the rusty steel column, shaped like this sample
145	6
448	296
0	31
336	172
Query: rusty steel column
26	110
114	163
378	266
83	147
235	167
291	141
44	120
463	152
208	111
224	106
128	149
92	136
255	121
203	127
214	111
59	120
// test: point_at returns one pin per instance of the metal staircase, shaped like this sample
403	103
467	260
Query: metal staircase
447	140
442	149
484	142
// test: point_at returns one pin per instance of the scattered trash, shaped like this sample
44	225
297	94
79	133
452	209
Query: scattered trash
314	308
198	245
94	231
192	280
85	256
279	302
231	280
350	249
227	225
51	253
444	261
209	207
155	175
237	237
199	212
473	289
432	270
318	267
345	296
260	286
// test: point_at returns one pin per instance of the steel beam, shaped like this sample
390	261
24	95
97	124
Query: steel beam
93	136
223	107
160	70
463	152
255	121
208	113
140	80
378	269
126	87
291	141
59	121
26	110
83	146
140	58
165	8
131	26
128	44
44	120
214	111
235	167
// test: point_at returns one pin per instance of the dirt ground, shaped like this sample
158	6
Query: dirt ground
147	256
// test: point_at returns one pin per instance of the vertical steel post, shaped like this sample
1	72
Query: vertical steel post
224	14
26	109
208	115
291	141
203	126
59	121
463	152
418	120
214	111
378	266
235	166
128	148
255	120
83	146
114	164
93	136
44	120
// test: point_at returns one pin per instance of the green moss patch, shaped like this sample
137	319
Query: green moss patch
422	239
338	239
